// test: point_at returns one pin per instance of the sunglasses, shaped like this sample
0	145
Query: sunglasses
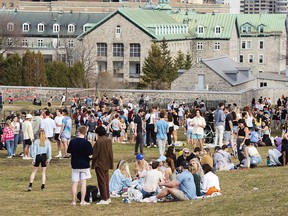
186	152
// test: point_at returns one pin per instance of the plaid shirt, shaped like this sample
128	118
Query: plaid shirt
8	134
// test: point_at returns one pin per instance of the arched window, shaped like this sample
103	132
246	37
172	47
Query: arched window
118	29
25	27
71	28
217	30
10	27
56	27
41	27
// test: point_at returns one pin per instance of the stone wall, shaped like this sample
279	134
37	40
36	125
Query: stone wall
242	98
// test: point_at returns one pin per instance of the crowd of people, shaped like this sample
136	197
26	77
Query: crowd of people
101	122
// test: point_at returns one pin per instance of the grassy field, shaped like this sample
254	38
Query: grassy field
259	191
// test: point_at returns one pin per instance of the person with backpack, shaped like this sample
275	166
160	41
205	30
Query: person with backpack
81	152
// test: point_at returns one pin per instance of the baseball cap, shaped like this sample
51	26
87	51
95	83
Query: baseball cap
139	157
29	116
185	164
161	158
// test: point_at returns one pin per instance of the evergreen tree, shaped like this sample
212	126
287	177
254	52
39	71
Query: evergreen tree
179	61
27	72
12	71
57	73
77	75
188	61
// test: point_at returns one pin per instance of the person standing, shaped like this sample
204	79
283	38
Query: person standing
198	123
219	119
1	102
48	125
8	138
65	132
41	155
63	99
81	152
228	134
139	131
28	135
102	161
58	123
161	129
16	127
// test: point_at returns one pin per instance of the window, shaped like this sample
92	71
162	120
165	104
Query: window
246	29
137	68
118	29
217	46
118	50
250	58
261	59
56	27
261	29
135	50
24	43
199	59
246	44
200	46
200	29
40	43
217	30
241	58
86	27
263	84
9	42
40	27
261	44
101	49
11	4
10	27
70	44
71	28
25	27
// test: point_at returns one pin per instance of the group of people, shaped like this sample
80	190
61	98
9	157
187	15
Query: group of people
190	175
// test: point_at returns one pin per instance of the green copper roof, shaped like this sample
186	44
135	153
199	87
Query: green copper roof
271	22
226	22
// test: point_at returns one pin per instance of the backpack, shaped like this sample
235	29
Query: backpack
93	190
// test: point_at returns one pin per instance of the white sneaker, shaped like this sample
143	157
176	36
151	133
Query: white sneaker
104	202
109	200
151	199
25	158
114	195
59	156
9	157
29	158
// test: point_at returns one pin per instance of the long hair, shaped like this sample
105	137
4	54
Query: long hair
170	163
42	137
196	170
124	168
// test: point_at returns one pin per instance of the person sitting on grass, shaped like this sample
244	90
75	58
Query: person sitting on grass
220	162
141	168
283	159
251	154
170	153
196	169
183	157
170	171
41	155
210	181
228	158
276	153
195	154
121	178
182	189
153	177
207	159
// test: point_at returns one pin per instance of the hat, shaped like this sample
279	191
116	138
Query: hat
161	158
185	164
139	157
29	116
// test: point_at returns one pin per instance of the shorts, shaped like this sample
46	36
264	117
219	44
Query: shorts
56	136
197	136
181	118
227	136
180	195
80	174
189	134
116	133
40	159
28	142
176	127
91	136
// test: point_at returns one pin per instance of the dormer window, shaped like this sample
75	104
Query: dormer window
217	30
86	27
71	28
56	27
40	27
261	29
10	27
118	29
25	27
246	29
200	29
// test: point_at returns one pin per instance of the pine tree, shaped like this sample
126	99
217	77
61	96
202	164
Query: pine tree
27	72
179	61
188	61
57	74
12	71
77	75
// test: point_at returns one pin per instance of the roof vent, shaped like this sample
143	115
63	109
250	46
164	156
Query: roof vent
61	11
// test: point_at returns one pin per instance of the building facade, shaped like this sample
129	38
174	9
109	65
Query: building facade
263	6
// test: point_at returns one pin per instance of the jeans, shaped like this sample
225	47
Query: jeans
255	160
139	143
161	146
219	135
147	194
9	146
16	139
